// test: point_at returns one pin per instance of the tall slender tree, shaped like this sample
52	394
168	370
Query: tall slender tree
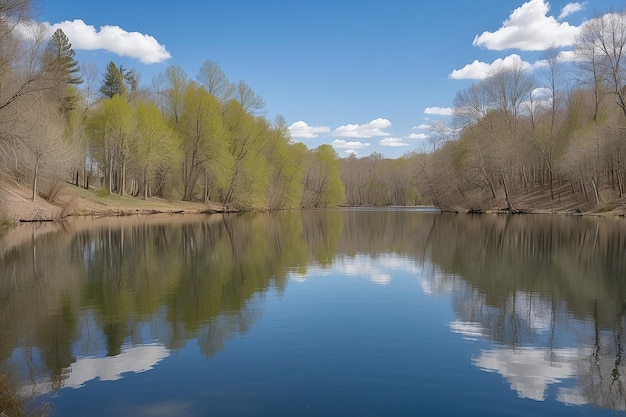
59	56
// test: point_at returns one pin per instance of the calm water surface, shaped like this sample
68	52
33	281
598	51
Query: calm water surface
317	313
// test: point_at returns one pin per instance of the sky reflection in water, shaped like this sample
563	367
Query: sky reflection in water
320	313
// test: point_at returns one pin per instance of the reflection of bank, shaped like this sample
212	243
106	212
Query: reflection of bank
135	359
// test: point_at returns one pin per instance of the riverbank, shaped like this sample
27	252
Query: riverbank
563	201
16	205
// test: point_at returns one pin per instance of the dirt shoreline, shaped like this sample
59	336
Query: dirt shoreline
17	206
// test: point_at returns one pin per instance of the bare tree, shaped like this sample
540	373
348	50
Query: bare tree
213	78
548	116
602	43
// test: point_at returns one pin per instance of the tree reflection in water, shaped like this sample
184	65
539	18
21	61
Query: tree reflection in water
548	291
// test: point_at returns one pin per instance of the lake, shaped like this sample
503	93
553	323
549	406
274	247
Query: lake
348	312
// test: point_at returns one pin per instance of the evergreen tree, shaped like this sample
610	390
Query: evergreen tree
60	60
113	83
60	56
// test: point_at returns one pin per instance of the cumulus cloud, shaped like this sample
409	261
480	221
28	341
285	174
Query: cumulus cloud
479	70
440	111
114	39
367	130
342	144
541	92
302	130
417	136
571	8
392	142
529	28
569	56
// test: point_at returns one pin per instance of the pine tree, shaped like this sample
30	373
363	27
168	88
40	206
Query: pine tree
61	56
119	80
113	82
60	59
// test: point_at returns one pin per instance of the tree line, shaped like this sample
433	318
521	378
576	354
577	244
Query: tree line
555	131
196	139
558	130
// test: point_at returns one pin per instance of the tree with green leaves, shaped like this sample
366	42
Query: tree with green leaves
154	144
322	182
110	128
286	167
247	135
202	133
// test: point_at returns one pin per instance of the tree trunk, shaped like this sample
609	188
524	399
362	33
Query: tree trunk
551	179
206	187
111	173
506	193
35	173
595	191
123	175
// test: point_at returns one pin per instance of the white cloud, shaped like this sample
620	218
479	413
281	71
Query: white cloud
392	142
135	359
568	56
379	270
571	8
529	28
342	144
541	92
440	111
423	126
114	39
478	70
367	130
470	330
417	136
301	129
530	371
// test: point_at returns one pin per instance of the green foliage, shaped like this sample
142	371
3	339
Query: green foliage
322	184
286	167
202	133
154	145
119	81
61	56
113	82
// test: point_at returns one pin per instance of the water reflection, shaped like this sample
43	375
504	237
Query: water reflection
531	370
549	292
100	298
135	359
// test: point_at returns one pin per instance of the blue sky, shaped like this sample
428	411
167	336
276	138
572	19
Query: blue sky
365	76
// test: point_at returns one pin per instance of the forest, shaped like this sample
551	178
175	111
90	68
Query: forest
555	131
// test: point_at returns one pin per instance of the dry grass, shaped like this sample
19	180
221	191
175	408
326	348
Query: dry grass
17	205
